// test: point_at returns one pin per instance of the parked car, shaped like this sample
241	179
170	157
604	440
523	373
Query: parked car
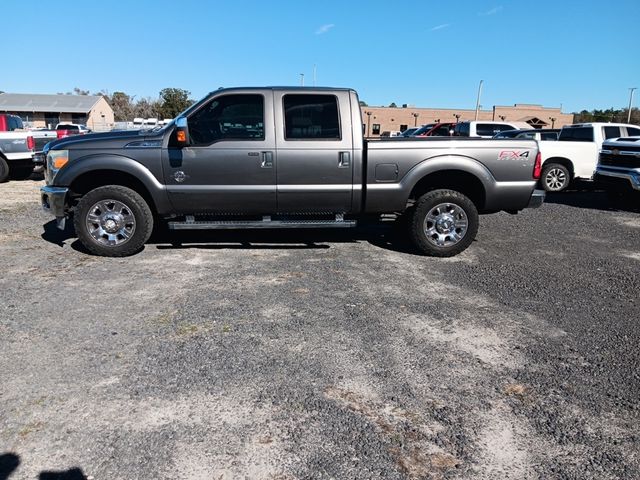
436	130
485	129
16	155
393	133
534	134
410	131
10	123
66	129
280	158
618	169
575	155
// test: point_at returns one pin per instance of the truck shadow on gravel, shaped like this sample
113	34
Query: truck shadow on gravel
9	463
386	235
594	200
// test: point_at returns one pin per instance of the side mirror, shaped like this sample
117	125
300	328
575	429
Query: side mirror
182	132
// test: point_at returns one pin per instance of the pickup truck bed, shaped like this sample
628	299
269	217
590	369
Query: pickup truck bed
281	157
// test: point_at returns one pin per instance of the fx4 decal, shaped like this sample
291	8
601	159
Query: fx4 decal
513	155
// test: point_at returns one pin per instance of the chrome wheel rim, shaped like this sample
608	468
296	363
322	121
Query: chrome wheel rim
110	223
446	224
555	179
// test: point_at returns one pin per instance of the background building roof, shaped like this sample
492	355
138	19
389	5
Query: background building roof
25	102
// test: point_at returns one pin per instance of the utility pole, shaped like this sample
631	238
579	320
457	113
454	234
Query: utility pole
632	89
478	100
302	79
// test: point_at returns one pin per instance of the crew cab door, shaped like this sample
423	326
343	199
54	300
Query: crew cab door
315	152
229	165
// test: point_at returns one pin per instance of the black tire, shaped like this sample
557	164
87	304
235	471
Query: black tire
555	177
4	170
449	236
21	173
119	209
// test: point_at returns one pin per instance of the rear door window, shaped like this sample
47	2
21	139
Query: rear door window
311	117
633	132
577	134
612	132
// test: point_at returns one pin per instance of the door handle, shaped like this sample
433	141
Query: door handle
344	160
267	160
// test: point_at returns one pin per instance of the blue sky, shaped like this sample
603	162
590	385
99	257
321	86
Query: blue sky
578	53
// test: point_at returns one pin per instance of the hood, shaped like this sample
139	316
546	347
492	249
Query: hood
115	139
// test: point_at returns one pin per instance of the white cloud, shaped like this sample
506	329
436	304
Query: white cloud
493	11
440	27
324	28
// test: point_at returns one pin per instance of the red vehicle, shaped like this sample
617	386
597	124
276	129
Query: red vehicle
435	130
9	123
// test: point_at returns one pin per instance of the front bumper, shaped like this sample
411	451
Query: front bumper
53	201
608	175
537	199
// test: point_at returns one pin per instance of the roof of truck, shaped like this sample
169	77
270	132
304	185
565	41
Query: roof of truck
298	88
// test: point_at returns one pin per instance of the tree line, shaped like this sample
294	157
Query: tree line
170	102
609	115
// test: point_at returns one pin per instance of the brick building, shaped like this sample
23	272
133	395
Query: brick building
49	110
380	119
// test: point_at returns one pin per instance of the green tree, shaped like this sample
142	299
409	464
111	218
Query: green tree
363	103
393	105
122	105
173	101
147	108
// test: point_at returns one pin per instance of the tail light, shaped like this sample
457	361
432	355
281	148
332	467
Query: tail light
537	167
31	144
62	133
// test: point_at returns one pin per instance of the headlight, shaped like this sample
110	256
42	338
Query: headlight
56	159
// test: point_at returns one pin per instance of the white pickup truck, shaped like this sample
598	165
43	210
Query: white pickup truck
575	154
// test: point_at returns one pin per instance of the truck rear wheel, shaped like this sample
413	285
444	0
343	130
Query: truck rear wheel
443	223
113	221
4	170
555	177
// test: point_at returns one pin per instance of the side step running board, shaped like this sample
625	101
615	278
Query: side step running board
191	224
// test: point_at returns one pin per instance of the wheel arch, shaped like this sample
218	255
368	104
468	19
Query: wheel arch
565	162
452	179
95	171
90	180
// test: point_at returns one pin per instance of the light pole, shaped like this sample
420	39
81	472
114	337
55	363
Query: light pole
302	79
478	99
553	121
415	118
457	115
632	89
502	117
368	123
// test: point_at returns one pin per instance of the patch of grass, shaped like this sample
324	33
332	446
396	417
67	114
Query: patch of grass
515	390
30	428
226	329
187	329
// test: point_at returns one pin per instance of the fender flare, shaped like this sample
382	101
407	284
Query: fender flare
120	163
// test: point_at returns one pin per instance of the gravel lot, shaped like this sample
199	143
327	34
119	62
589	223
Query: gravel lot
323	355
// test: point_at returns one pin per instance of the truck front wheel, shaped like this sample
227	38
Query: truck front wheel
443	223
113	221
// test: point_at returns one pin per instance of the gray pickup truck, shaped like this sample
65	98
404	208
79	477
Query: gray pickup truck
281	158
